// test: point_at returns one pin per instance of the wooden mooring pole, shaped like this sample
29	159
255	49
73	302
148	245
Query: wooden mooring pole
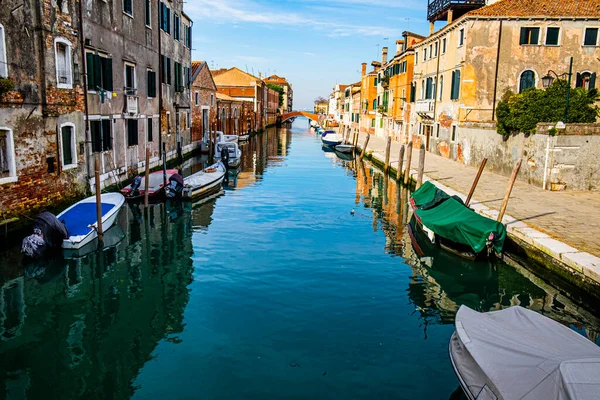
408	160
475	182
387	155
421	166
147	177
364	150
98	199
400	163
511	183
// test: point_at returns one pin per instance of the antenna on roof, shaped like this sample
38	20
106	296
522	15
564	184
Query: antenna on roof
246	68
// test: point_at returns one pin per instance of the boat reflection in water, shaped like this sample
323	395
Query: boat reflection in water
82	325
441	282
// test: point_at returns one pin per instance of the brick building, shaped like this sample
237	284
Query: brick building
204	104
42	135
229	114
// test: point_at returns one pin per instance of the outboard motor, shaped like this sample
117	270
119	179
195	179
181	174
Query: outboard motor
174	186
48	235
225	156
135	186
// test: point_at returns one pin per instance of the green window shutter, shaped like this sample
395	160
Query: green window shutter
374	104
97	71
453	86
578	81
381	123
591	37
67	131
457	86
106	140
149	129
151	84
552	36
593	81
106	74
132	132
90	71
535	35
523	38
168	62
96	136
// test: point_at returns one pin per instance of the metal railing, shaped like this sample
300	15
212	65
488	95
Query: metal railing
436	6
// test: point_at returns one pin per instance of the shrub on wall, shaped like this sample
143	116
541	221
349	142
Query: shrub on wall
522	112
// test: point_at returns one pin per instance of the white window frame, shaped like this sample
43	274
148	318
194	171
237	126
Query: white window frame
560	31
69	63
539	35
3	59
73	146
583	36
132	7
10	150
125	65
148	3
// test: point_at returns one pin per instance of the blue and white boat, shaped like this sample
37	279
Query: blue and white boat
331	138
81	220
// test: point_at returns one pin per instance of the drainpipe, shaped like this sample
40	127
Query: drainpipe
160	87
88	138
437	85
496	76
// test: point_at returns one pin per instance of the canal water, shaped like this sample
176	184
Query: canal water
272	289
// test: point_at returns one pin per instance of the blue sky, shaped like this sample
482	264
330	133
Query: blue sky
314	44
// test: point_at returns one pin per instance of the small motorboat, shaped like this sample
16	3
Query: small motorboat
344	148
174	187
205	182
81	221
221	137
445	220
47	236
517	353
331	138
229	154
137	189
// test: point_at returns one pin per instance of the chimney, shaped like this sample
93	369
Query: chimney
364	69
399	46
384	56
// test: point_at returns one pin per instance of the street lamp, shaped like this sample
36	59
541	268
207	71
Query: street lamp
548	79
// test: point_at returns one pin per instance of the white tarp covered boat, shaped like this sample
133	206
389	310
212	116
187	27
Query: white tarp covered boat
235	154
517	353
205	182
330	138
221	137
81	221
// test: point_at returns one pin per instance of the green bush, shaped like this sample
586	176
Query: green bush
522	112
6	85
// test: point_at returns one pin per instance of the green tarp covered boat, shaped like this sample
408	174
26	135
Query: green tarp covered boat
456	227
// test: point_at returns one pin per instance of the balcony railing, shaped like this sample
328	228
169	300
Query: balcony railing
424	107
438	8
132	105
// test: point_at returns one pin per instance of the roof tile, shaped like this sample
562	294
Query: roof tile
540	8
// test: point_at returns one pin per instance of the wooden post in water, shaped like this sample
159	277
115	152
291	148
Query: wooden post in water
164	159
355	138
421	166
408	160
475	182
400	163
147	177
364	150
511	183
98	199
387	155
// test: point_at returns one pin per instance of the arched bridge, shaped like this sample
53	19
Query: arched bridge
293	114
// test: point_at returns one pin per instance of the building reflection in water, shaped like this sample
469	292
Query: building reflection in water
441	283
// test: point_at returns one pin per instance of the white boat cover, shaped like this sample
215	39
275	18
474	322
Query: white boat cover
517	353
206	176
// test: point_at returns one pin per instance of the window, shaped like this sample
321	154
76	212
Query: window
130	83
431	51
435	49
151	84
3	63
8	170
212	100
437	130
373	123
128	7
188	36
443	45
429	88
453	138
69	151
132	132
552	35
374	104
529	36
101	137
416	58
413	92
197	98
590	37
586	80
99	72
455	89
422	90
176	27
166	70
441	87
150	129
526	81
178	77
148	13
64	74
461	37
165	18
424	55
381	122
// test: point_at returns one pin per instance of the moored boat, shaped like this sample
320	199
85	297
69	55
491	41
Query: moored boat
517	353
344	148
81	221
205	182
331	138
232	152
137	189
243	138
445	220
221	137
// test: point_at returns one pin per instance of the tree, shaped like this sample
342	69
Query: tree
321	99
279	90
522	112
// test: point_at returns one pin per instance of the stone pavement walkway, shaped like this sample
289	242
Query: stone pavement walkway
570	217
